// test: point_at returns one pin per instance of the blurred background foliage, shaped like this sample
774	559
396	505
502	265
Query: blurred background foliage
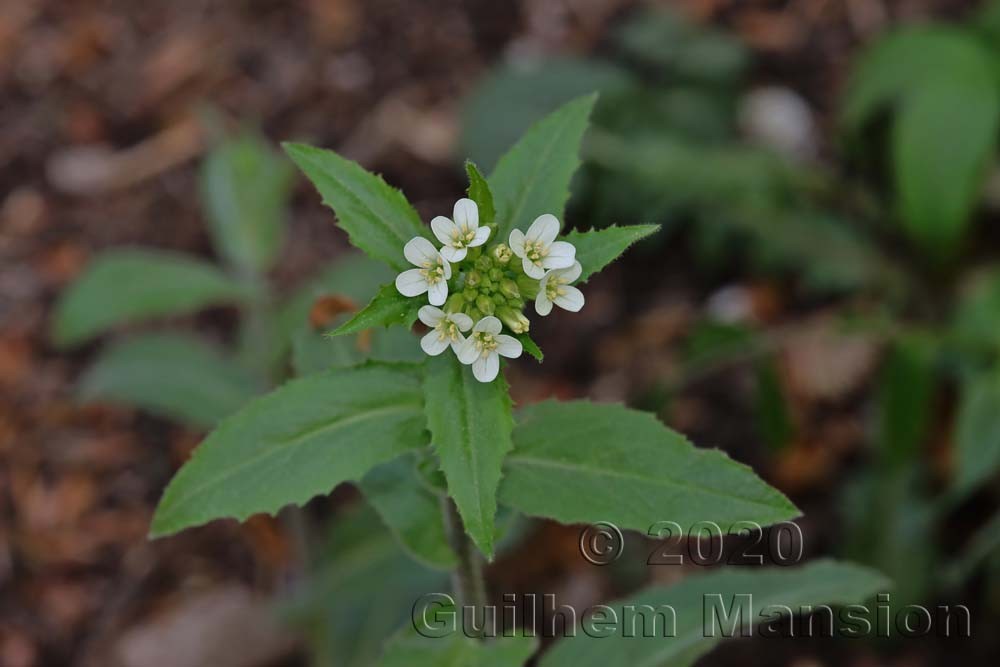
822	303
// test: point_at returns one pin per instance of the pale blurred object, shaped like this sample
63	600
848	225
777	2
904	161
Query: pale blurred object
227	627
779	119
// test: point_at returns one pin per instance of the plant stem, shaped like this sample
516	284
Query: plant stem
467	578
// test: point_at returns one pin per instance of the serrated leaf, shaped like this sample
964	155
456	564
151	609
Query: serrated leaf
410	510
943	141
530	346
408	648
128	285
174	376
751	591
582	462
533	177
470	424
977	433
245	187
297	442
387	308
377	218
479	192
597	248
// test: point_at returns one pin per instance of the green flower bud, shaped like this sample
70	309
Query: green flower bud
473	278
475	314
455	303
484	263
509	288
499	299
485	285
470	294
515	320
527	286
485	304
495	274
502	253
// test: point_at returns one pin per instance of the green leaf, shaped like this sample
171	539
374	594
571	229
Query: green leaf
701	600
582	462
985	542
533	177
174	376
908	60
410	510
295	443
127	285
470	424
977	433
376	217
412	649
530	346
360	587
245	187
352	275
387	308
597	248
905	389
506	102
943	142
479	192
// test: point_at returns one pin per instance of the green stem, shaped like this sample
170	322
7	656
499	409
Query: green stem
467	578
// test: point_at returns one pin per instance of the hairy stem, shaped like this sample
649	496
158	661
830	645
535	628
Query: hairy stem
467	578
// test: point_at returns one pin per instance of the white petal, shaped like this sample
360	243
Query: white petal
543	306
467	352
509	347
561	256
457	344
545	228
466	213
482	235
420	252
461	320
489	324
411	283
437	294
572	273
455	255
516	242
486	368
444	229
447	269
532	269
433	344
430	315
571	299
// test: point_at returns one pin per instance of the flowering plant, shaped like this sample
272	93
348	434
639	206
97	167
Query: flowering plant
436	447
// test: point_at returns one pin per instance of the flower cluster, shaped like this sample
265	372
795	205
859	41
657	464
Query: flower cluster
481	289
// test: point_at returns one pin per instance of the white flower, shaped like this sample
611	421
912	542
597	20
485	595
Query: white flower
555	287
485	345
432	276
463	233
536	249
445	330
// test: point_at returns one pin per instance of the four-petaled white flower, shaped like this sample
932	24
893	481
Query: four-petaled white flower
446	329
484	347
461	234
432	275
555	288
538	249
